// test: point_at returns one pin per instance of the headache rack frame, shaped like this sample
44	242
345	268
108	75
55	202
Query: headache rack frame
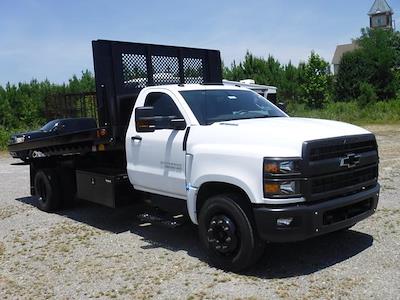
123	69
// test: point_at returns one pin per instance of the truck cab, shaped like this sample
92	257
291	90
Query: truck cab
239	167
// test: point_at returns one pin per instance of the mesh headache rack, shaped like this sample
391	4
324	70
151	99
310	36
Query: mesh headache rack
122	69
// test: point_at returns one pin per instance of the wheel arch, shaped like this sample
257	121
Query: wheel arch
212	188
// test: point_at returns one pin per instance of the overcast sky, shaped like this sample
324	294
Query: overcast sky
51	39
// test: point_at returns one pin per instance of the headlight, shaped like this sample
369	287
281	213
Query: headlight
18	139
282	178
276	167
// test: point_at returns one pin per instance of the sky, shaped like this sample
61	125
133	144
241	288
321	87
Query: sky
52	39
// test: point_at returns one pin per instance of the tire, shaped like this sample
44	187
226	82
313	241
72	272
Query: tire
47	190
228	235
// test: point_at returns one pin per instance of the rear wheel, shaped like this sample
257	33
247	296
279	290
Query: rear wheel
227	233
47	189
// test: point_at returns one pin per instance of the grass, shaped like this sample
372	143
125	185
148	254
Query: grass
351	112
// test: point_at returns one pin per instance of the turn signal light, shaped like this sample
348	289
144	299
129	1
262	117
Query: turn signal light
281	188
272	188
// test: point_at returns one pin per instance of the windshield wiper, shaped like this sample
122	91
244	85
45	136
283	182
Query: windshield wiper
267	117
249	118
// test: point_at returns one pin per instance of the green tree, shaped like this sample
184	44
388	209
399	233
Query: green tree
85	83
268	72
352	73
289	87
6	115
316	83
376	62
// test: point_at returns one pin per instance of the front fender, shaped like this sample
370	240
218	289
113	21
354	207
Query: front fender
194	188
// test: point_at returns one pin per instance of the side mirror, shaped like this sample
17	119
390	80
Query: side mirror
144	119
178	124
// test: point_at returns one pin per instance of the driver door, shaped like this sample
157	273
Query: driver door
156	160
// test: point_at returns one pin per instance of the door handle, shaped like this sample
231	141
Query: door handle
136	137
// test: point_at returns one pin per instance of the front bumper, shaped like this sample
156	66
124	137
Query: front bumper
313	219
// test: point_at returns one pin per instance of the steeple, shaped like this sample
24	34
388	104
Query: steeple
380	15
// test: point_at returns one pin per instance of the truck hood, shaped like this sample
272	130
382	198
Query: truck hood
275	137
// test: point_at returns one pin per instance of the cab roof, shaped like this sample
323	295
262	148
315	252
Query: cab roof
194	87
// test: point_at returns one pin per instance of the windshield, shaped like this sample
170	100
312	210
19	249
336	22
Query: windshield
211	106
49	126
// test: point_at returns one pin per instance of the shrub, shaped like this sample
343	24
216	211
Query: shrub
381	112
367	94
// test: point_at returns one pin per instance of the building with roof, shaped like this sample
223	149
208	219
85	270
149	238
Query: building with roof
339	52
380	16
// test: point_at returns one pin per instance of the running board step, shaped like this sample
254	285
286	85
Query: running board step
165	220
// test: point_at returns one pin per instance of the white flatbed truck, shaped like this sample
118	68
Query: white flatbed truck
239	167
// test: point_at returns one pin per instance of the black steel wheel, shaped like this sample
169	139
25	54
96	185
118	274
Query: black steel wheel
222	235
47	190
228	235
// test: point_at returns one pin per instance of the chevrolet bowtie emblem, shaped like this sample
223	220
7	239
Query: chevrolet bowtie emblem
350	161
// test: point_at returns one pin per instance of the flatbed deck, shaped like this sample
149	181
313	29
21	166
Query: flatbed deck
78	142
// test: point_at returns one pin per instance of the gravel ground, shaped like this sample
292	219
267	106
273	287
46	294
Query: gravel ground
96	252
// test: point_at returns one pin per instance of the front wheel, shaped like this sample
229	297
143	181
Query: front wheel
227	233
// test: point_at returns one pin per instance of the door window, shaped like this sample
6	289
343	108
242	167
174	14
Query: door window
164	107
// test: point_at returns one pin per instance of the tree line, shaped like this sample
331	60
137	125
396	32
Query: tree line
22	104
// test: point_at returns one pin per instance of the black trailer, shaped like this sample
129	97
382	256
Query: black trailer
84	162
